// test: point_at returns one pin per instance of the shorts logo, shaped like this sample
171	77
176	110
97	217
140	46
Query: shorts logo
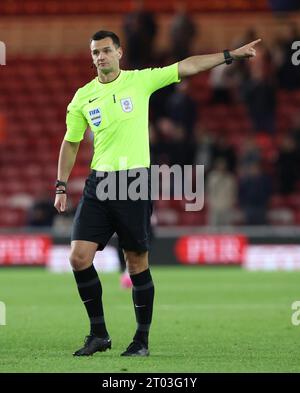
126	104
95	116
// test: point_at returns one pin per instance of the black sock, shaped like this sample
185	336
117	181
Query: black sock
142	296
90	291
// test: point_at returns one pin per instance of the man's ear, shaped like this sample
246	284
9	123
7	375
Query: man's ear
120	52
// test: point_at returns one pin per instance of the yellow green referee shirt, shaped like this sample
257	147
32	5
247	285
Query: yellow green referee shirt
117	114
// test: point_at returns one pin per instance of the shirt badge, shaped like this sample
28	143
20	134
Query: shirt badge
126	104
95	116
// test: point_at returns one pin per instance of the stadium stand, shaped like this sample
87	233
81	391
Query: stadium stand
38	83
34	95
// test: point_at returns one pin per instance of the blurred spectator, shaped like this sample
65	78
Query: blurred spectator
254	194
158	102
154	144
295	131
287	165
250	152
259	93
223	149
140	30
220	83
182	33
247	36
221	192
42	213
182	108
174	147
287	73
203	148
238	72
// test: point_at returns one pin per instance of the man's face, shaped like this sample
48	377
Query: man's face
106	56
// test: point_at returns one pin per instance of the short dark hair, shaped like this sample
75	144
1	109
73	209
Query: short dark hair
101	34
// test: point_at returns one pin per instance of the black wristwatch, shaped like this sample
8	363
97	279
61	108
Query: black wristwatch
227	56
60	183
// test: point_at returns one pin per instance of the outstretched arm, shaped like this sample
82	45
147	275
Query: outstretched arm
194	64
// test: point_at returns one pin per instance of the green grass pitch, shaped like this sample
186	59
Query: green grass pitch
205	320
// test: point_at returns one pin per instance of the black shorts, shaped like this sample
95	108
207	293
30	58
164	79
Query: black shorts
97	220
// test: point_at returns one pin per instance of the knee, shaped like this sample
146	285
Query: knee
79	261
136	262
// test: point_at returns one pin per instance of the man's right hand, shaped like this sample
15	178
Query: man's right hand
60	202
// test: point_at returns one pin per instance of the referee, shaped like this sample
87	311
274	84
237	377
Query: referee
115	107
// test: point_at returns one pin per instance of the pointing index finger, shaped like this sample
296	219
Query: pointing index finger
255	42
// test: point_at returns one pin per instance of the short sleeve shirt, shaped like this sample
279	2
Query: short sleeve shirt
117	114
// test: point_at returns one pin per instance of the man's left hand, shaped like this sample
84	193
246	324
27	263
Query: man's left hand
245	51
